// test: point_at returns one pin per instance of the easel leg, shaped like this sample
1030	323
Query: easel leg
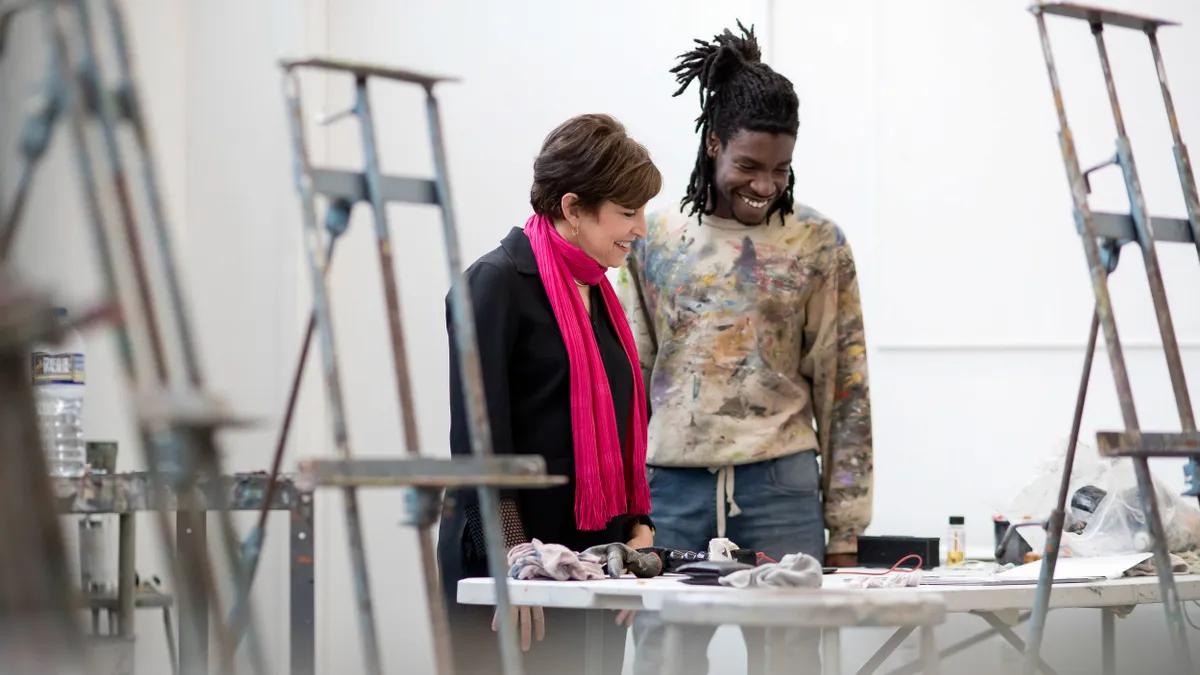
1054	528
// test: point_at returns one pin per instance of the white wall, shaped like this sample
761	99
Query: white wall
927	131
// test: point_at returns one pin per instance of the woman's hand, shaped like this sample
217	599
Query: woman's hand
532	619
643	537
625	617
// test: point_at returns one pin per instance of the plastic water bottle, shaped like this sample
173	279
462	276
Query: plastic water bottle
58	382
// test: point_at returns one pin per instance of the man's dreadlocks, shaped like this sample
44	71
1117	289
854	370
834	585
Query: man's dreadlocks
737	92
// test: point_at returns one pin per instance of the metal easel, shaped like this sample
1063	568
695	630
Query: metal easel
1103	236
423	477
176	418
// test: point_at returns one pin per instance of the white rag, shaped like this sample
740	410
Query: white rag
897	579
796	570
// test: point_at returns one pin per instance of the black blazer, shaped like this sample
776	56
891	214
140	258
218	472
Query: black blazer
528	390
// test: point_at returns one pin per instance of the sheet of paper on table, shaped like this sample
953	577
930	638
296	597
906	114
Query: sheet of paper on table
1066	570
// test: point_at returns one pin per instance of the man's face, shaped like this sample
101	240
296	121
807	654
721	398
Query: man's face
751	173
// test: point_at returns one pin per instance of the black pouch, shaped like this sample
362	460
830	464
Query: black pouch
709	572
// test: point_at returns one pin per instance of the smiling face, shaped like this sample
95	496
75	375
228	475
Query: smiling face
750	173
593	182
604	234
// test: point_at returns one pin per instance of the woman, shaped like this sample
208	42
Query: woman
562	380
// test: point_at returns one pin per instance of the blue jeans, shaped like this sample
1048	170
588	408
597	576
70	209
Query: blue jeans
781	513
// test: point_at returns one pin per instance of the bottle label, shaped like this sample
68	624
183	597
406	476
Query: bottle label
57	368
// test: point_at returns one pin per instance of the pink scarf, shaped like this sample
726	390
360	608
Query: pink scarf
602	476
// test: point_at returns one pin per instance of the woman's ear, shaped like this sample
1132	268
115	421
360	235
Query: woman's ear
570	209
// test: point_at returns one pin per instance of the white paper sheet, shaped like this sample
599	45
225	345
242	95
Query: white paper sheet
1066	571
1099	567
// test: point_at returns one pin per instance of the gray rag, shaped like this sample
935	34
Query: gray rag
621	558
1186	562
796	570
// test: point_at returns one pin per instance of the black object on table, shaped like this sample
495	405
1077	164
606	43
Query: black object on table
886	551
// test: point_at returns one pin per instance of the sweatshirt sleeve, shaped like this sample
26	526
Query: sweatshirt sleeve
835	358
631	289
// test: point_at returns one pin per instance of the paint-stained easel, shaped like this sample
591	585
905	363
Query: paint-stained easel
423	477
1103	235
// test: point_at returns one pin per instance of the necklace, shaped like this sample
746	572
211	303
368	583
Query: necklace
581	284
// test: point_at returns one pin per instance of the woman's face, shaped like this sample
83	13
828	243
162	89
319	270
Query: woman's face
606	235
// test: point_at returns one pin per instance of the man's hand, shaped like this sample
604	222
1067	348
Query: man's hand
530	618
841	560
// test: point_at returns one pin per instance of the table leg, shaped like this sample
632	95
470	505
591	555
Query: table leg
303	590
593	641
885	650
831	651
172	652
929	656
126	588
757	644
913	667
783	651
191	542
1108	641
673	656
1012	638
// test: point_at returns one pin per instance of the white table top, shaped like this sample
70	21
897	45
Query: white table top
632	593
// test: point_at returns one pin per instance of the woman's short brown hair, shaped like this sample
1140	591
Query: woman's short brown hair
593	157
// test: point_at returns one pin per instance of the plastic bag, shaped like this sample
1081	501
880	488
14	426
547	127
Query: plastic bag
1038	497
1115	524
1119	523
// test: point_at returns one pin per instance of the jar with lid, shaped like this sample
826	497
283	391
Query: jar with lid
956	542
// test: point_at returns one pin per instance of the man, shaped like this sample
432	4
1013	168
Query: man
749	328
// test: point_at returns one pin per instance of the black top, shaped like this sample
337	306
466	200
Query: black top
527	384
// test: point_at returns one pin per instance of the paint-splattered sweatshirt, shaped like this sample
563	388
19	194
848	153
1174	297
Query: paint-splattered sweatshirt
747	337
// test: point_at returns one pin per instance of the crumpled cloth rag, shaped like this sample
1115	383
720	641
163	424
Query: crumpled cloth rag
795	570
897	579
535	560
1181	563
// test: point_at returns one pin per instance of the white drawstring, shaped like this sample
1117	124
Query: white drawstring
725	494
